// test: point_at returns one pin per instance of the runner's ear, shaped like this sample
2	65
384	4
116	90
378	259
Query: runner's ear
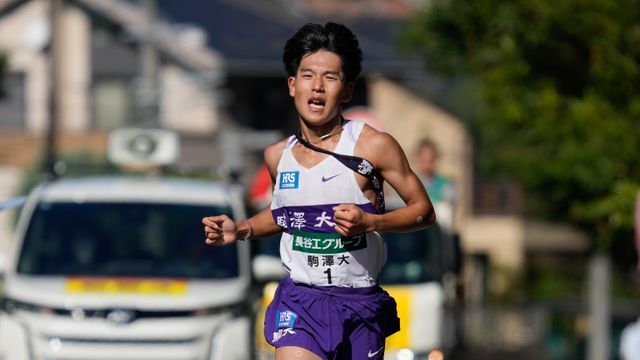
291	83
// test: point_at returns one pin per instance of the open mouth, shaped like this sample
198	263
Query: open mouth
316	104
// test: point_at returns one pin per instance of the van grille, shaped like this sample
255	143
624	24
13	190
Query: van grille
107	341
10	305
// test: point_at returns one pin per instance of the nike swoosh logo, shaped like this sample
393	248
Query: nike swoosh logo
372	354
325	179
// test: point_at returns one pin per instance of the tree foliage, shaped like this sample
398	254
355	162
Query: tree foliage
560	89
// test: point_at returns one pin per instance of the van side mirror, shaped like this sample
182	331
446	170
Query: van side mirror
267	268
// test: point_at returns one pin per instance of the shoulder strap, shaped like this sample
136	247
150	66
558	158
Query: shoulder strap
360	165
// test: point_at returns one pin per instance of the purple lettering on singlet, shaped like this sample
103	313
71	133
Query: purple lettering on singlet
310	218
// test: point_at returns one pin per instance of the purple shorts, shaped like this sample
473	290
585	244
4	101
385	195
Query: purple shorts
332	322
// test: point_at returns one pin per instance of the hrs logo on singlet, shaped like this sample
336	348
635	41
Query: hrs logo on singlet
289	179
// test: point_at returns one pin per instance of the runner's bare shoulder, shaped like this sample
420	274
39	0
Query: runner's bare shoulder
272	155
373	144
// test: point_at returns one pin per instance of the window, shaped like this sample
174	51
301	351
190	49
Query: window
12	102
124	239
112	105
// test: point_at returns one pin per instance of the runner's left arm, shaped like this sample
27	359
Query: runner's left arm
387	156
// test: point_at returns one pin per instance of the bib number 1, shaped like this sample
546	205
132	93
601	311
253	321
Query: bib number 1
328	272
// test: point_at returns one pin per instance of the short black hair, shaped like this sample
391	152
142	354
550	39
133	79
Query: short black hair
332	37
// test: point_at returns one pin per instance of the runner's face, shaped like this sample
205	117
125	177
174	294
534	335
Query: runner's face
319	87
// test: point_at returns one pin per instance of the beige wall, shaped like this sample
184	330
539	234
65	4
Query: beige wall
502	238
410	118
186	106
506	239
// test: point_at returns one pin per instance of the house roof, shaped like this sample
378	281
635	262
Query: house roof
132	18
250	35
247	36
383	9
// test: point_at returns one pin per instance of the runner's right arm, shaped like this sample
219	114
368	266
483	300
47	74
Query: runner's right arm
221	230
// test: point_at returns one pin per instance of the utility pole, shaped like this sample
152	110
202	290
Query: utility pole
149	69
55	93
599	308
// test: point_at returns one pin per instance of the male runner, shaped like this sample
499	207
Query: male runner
330	210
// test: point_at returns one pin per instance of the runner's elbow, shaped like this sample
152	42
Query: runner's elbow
427	217
431	216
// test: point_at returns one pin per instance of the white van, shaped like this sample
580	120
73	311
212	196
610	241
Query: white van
116	268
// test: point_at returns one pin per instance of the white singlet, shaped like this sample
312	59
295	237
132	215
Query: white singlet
303	200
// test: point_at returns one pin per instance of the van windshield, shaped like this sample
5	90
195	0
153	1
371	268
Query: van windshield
412	257
124	239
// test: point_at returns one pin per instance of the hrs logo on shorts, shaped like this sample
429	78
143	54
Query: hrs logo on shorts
286	319
289	179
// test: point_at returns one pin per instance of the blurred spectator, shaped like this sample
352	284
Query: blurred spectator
441	189
260	190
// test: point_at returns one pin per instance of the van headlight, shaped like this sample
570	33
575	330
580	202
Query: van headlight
8	306
11	306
